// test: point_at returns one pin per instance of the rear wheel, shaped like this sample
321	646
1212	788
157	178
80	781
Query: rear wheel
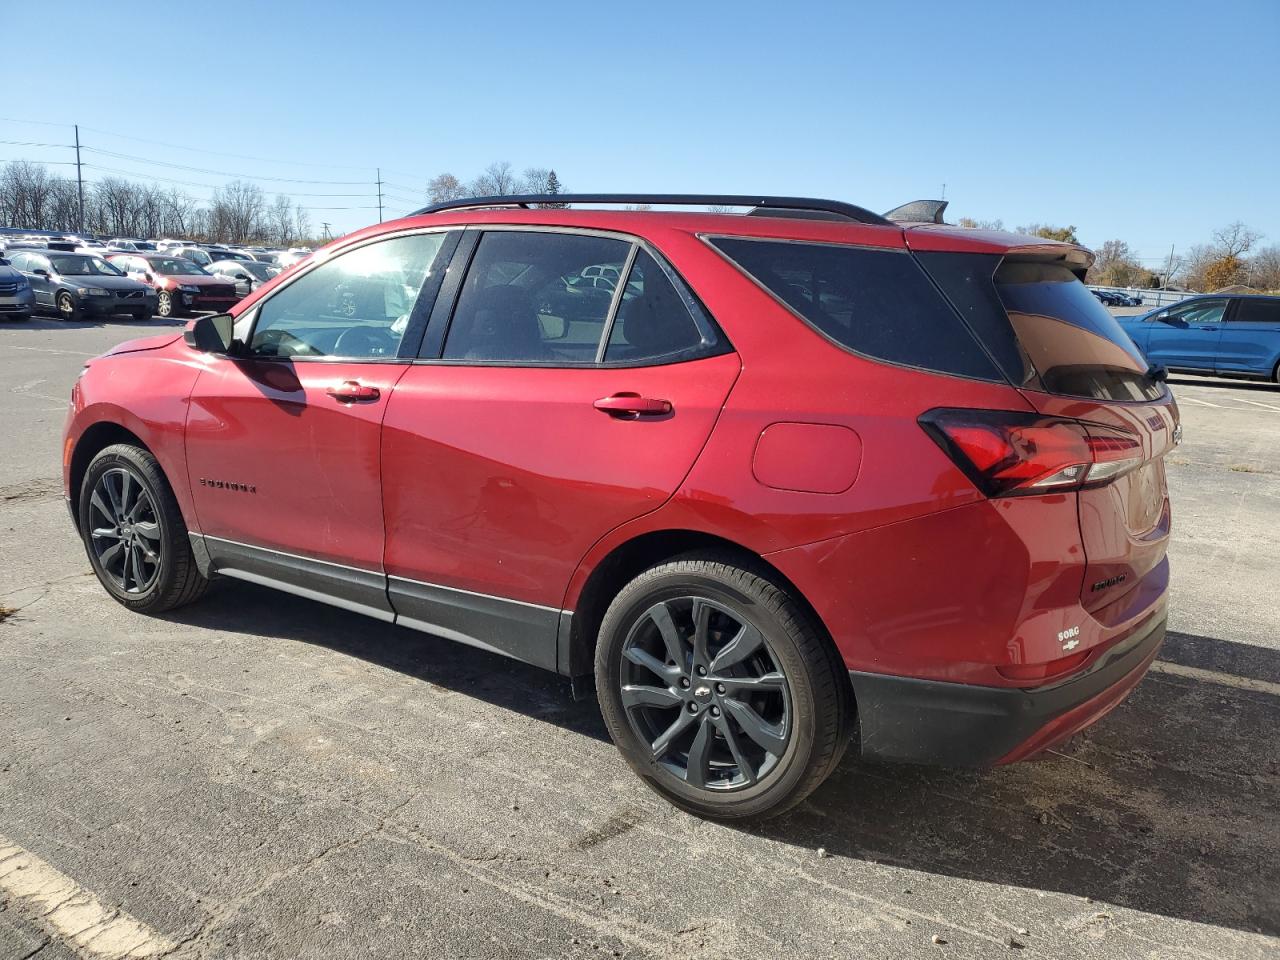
66	305
134	533
719	690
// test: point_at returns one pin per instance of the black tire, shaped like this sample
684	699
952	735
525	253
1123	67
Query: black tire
169	580
816	699
166	305
64	305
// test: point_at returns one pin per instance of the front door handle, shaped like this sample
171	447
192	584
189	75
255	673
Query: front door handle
352	391
630	406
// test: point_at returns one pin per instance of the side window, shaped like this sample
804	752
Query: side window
1201	311
535	297
877	303
356	305
19	261
1258	311
653	319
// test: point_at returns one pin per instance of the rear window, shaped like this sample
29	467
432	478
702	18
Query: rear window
1076	346
877	303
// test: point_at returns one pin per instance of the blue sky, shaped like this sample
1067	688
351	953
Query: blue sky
1150	122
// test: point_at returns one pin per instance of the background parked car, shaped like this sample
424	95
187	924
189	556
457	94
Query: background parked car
17	300
181	286
248	275
82	284
1235	336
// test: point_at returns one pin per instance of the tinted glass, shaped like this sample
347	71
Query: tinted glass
1079	348
653	319
1258	311
357	305
878	303
534	297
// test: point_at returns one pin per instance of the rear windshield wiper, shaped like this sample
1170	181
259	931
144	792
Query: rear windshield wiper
1157	372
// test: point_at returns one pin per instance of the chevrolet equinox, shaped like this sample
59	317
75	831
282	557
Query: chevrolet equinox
772	481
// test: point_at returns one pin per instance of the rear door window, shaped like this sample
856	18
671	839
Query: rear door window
876	303
1258	311
536	297
1078	348
1197	312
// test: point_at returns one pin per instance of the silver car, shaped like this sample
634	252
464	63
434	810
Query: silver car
17	299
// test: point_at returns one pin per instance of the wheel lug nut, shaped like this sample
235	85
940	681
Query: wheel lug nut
719	688
702	671
715	711
684	682
693	708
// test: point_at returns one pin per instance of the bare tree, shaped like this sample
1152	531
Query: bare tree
1235	240
1116	265
237	211
973	224
1264	269
497	180
280	220
444	187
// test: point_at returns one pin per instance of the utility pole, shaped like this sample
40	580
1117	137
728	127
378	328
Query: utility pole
379	194
324	224
79	179
1169	267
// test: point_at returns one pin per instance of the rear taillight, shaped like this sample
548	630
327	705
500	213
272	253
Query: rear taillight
1018	454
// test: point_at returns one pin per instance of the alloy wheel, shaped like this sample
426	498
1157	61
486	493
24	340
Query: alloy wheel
164	304
66	306
704	690
125	530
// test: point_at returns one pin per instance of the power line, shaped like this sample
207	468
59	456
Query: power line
222	173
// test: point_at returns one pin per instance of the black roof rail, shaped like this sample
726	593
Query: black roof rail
762	206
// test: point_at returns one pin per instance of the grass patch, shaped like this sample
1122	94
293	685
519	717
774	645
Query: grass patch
1246	468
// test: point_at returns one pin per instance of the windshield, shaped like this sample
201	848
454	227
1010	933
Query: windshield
263	271
1078	348
175	267
84	267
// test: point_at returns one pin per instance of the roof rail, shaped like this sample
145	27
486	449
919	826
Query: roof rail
833	209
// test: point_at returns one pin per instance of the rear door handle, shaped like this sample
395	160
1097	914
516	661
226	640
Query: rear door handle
630	406
352	391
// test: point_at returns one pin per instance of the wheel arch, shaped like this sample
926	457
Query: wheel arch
625	561
95	438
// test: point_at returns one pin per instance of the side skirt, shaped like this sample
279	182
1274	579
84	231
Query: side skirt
524	631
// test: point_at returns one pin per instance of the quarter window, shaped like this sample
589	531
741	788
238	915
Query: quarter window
356	305
653	319
878	303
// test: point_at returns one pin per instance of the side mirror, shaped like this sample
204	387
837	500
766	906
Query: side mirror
41	272
211	334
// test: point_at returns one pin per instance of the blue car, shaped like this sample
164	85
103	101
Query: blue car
1230	336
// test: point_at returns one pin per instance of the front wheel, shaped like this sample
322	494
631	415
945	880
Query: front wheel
719	690
134	533
66	305
166	304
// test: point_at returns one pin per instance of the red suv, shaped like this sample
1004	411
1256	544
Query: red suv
181	286
771	481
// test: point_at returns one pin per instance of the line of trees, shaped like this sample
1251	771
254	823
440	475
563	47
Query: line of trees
239	212
498	179
1232	259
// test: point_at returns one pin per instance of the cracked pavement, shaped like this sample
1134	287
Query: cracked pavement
260	776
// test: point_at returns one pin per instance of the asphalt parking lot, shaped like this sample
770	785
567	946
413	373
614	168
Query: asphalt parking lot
260	776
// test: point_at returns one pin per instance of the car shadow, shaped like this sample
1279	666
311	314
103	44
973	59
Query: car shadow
39	322
1170	805
1182	380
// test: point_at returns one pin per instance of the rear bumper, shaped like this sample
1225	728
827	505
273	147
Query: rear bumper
956	724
